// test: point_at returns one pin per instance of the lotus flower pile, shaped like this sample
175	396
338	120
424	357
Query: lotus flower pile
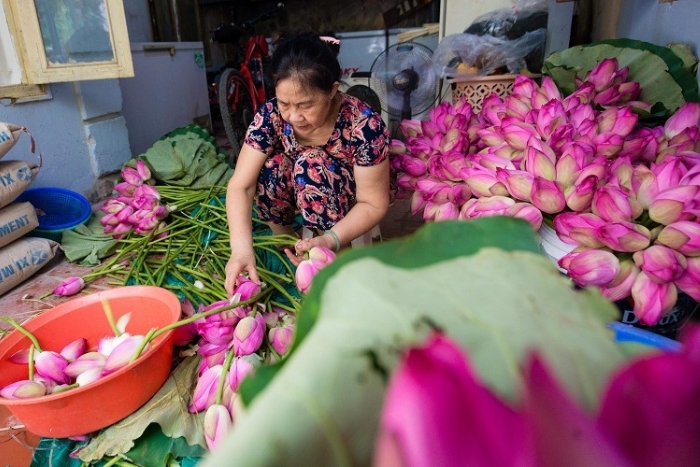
136	206
626	197
75	365
437	411
232	344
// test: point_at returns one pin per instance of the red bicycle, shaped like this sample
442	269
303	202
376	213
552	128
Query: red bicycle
244	87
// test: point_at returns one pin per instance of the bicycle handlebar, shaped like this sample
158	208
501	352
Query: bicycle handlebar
233	33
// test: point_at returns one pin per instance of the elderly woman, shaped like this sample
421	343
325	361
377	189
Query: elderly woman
312	149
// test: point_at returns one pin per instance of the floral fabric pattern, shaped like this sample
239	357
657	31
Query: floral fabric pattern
317	181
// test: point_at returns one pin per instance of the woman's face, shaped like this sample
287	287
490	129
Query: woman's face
306	109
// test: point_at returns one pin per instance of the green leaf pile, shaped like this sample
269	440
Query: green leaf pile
666	80
483	282
187	157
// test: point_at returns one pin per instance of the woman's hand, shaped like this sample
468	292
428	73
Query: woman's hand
304	245
241	261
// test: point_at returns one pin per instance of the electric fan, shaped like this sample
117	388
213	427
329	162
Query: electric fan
404	79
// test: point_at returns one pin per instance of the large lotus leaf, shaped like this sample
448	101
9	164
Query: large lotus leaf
170	162
323	405
659	87
167	408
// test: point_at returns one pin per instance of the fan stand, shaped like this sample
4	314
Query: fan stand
406	81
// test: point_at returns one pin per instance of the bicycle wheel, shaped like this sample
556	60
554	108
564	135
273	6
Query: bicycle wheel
236	105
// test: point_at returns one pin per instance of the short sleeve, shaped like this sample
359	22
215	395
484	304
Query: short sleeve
371	138
261	133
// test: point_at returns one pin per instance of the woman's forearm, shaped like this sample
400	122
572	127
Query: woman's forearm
362	218
239	207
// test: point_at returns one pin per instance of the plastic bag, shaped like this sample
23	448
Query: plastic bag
469	54
512	23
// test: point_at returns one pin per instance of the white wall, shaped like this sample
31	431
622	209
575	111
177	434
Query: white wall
661	23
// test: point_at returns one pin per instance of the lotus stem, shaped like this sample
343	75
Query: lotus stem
21	329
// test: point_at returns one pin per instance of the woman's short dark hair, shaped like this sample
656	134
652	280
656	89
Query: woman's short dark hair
308	59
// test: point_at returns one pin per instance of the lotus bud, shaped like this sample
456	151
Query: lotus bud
689	282
147	191
669	173
591	267
621	285
281	338
417	202
524	87
74	350
517	182
625	236
123	353
644	185
20	357
52	365
240	368
528	212
50	385
143	170
683	236
483	182
125	189
148	223
547	196
434	190
615	204
90	376
271	319
305	273
112	206
248	335
122	228
617	121
670	205
217	424
70	286
550	118
651	299
576	229
517	135
539	164
205	390
84	363
486	206
517	108
687	116
579	197
661	264
410	128
447	211
396	146
24	389
493	109
602	75
131	176
321	253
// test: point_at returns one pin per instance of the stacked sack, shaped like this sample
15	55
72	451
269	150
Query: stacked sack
20	256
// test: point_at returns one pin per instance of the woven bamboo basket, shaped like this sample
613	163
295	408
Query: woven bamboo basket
475	88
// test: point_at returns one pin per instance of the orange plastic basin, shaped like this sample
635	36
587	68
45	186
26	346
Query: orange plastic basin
102	403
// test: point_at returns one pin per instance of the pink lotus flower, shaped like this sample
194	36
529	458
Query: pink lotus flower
217	424
436	413
579	229
685	117
90	376
125	189
112	206
661	264
74	349
305	273
579	197
527	212
651	299
615	204
591	267
85	362
51	365
240	368
123	352
205	390
131	176
143	170
517	182
24	389
281	338
547	196
323	254
604	75
486	206
689	282
621	286
248	335
670	205
70	286
624	236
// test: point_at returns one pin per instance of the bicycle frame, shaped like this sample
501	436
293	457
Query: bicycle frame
255	50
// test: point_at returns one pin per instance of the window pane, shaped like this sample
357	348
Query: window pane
75	31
